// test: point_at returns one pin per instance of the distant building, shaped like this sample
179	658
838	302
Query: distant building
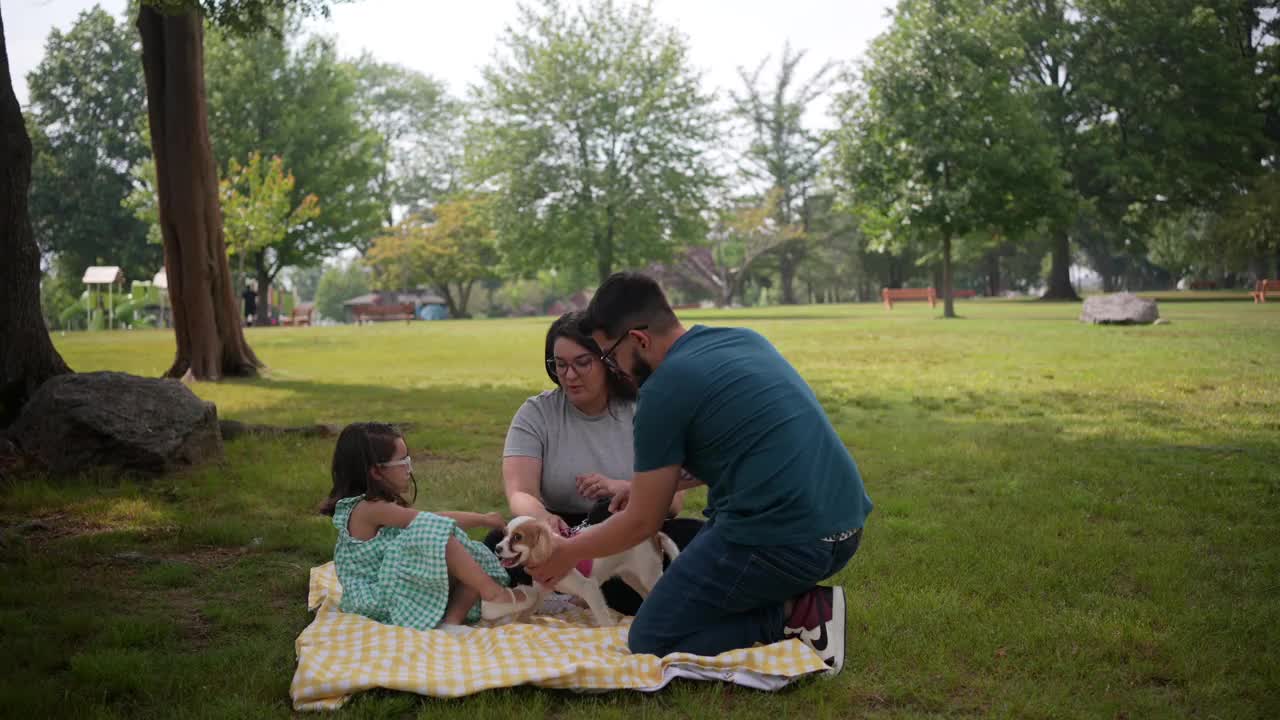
426	306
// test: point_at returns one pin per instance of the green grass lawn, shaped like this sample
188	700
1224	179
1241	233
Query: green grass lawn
1071	521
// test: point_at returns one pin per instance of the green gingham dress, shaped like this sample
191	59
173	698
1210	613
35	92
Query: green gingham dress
399	576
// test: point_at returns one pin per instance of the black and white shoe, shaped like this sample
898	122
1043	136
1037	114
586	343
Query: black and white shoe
817	620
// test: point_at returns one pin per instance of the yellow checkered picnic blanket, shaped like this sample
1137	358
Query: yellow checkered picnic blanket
340	654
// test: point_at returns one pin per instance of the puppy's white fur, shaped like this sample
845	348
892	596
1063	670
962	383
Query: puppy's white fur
528	540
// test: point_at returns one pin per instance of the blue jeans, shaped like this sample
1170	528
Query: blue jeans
719	595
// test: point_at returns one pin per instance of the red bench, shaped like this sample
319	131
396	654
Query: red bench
891	294
378	313
1263	287
1204	285
964	293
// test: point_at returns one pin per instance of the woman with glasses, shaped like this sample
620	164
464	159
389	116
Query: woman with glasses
569	449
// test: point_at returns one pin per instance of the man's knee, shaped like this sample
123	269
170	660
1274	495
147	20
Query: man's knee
642	640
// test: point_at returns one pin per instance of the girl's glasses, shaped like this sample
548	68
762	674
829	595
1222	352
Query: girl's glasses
406	461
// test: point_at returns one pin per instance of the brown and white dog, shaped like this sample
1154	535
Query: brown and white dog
528	541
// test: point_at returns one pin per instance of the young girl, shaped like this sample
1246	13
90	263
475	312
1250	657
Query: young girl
398	565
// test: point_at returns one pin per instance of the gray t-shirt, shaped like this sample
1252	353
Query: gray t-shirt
571	443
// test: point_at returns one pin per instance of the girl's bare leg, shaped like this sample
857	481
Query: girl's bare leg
467	571
461	600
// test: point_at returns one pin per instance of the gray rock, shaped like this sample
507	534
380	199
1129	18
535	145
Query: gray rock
1119	309
77	421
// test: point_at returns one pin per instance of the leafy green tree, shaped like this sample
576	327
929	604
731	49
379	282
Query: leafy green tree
210	341
304	281
420	149
451	254
1155	108
783	153
84	119
299	102
744	233
936	144
594	131
258	216
338	285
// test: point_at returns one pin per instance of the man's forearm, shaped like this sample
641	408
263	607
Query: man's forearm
620	532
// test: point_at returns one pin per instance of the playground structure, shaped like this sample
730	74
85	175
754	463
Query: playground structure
95	277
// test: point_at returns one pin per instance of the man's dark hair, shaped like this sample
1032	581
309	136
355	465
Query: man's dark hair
628	300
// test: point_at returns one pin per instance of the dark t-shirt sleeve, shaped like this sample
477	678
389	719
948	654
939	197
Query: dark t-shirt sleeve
663	417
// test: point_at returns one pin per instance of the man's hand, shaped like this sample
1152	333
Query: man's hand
495	520
594	486
551	571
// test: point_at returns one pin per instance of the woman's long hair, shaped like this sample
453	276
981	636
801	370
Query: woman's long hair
568	326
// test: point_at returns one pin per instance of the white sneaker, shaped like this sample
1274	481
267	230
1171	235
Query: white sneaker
818	620
518	604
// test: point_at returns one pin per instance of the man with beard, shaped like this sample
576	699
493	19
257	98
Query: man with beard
785	502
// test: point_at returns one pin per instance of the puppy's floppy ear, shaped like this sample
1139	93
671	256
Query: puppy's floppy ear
537	537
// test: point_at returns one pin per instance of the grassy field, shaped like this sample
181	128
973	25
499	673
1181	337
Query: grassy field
1071	521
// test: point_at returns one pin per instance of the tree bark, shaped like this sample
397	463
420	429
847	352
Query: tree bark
262	318
993	275
948	303
27	355
206	323
1059	287
787	265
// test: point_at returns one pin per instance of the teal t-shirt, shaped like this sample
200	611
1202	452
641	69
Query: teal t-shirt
729	408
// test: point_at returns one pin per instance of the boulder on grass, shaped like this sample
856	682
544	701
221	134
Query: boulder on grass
1119	309
77	421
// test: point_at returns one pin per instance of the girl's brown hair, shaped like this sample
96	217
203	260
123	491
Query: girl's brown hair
362	447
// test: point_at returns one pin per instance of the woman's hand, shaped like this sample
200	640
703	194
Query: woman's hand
595	486
620	499
557	523
495	520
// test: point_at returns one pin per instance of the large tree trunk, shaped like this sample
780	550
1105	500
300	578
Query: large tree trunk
27	356
788	263
993	274
205	319
948	303
1060	269
262	318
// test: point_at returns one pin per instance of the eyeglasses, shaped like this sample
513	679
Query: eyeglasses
406	461
608	358
581	364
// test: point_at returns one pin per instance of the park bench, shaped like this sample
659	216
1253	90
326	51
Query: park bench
1204	285
378	313
300	315
1263	287
891	294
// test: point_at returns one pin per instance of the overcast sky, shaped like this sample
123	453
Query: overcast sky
452	41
